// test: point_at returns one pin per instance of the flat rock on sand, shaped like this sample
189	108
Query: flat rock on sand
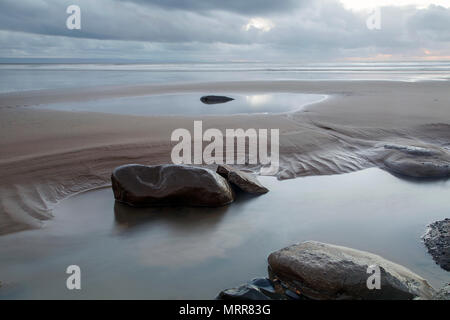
244	181
169	185
437	241
324	271
417	161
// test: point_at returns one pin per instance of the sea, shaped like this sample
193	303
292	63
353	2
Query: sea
37	76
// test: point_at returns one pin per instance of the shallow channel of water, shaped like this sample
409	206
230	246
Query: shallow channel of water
193	253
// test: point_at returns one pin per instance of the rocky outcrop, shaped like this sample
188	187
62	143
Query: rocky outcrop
418	162
258	289
324	271
215	99
437	241
244	181
443	293
170	185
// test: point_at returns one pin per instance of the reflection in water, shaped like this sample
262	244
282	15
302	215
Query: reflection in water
258	99
184	218
194	253
193	234
188	219
190	104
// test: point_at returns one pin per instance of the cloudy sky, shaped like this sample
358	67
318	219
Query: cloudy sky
227	30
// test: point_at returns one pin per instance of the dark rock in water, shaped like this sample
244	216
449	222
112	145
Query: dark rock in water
244	181
443	294
257	289
215	99
324	271
437	241
170	185
418	162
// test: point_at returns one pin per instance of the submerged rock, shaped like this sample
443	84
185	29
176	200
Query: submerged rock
170	185
215	99
324	271
257	289
244	181
418	162
437	241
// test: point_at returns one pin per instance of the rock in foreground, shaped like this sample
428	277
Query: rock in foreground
258	289
437	241
417	162
244	181
170	185
215	99
443	293
323	271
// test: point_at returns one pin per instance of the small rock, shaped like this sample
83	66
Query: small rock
325	271
215	99
437	241
170	185
244	181
257	289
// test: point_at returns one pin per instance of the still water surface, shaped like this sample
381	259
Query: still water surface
194	253
189	104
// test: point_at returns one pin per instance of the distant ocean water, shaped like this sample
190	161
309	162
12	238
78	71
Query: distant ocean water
36	76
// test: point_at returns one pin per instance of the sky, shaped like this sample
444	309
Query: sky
228	31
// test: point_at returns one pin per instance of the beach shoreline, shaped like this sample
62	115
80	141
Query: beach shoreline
49	155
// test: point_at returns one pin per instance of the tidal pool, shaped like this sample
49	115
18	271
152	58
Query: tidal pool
190	104
193	253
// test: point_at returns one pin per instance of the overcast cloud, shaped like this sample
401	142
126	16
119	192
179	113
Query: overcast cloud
217	30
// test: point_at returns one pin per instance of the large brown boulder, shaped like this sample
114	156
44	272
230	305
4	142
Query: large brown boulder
170	185
244	181
324	271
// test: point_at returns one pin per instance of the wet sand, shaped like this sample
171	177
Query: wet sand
49	155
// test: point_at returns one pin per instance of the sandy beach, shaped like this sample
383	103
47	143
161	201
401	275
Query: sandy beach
222	155
49	155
